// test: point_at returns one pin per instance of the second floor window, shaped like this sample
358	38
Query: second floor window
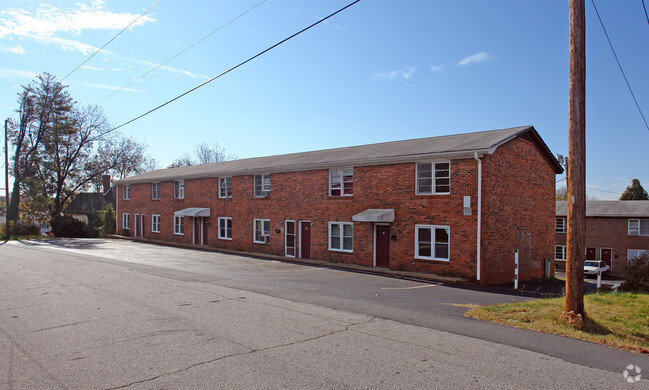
341	182
560	225
127	192
262	185
179	189
155	191
434	178
225	187
638	227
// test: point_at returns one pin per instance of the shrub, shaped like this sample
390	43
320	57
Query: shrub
67	226
24	228
106	222
637	274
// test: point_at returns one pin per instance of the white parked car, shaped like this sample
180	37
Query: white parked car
592	267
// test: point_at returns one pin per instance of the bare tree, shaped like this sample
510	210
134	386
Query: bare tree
204	154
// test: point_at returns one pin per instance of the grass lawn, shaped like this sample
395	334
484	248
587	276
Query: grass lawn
619	320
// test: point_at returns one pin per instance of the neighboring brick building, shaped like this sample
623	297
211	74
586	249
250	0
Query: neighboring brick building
616	230
412	205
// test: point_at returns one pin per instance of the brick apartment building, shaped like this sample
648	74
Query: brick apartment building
616	230
454	205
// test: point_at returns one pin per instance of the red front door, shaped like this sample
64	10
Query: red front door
305	240
142	225
382	249
205	225
591	253
606	257
197	230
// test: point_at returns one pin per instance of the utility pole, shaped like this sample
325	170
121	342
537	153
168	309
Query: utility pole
7	179
577	161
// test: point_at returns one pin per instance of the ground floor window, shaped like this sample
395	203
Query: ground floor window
125	220
179	225
432	242
633	253
560	252
225	228
262	231
341	236
155	223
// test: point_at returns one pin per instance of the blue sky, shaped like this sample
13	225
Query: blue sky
380	71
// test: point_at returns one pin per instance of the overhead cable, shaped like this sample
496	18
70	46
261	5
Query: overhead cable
112	39
236	66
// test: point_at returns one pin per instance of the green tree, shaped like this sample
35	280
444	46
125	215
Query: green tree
634	192
561	193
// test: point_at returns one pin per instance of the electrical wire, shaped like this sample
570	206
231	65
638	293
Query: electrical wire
112	39
645	11
236	66
182	51
619	65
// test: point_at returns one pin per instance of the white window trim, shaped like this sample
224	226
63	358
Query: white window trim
126	220
564	225
342	236
264	194
180	194
126	192
432	243
225	180
254	230
640	253
176	225
295	236
637	231
219	228
153	194
154	225
563	251
432	164
342	182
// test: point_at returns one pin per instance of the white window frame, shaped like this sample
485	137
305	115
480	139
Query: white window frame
560	225
340	181
126	193
433	178
225	187
341	236
155	190
432	243
126	220
261	190
225	220
562	249
638	252
155	223
179	189
179	225
638	227
263	233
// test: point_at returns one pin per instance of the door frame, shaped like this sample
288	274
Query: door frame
300	237
137	222
142	225
295	237
602	258
374	244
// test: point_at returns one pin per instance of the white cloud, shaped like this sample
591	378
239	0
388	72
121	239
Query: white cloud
475	59
15	50
7	73
404	73
112	87
91	68
436	68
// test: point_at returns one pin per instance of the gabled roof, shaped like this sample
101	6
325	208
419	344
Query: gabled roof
610	208
458	146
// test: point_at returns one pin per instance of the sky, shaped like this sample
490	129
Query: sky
379	71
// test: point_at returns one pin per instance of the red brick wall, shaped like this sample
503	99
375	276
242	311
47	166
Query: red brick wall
303	196
518	212
611	233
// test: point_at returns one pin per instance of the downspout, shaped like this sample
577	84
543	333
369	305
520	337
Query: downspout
479	214
116	210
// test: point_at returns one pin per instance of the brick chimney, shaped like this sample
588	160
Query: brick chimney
105	180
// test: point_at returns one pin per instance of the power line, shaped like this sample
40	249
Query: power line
645	11
619	65
610	192
236	66
182	51
112	39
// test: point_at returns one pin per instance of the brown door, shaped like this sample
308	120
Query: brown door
606	257
137	226
197	230
591	253
142	225
305	239
382	242
204	226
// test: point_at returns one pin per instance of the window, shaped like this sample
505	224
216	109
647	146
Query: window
155	191
225	228
633	253
638	227
262	231
126	194
341	236
179	189
432	242
225	187
155	223
560	252
560	225
125	221
262	185
179	226
341	182
434	178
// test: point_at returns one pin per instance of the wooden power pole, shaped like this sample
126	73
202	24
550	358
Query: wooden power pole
577	161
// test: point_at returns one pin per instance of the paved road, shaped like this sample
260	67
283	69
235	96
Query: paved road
116	314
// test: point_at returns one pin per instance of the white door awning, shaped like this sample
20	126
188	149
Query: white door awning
193	212
375	215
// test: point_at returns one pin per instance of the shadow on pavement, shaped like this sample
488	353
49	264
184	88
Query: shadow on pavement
70	243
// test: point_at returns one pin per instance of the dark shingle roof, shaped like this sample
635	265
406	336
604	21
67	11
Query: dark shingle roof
610	208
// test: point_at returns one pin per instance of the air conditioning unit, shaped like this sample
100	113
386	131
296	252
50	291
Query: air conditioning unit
266	238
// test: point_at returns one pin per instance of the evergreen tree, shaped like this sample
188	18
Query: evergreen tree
634	192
